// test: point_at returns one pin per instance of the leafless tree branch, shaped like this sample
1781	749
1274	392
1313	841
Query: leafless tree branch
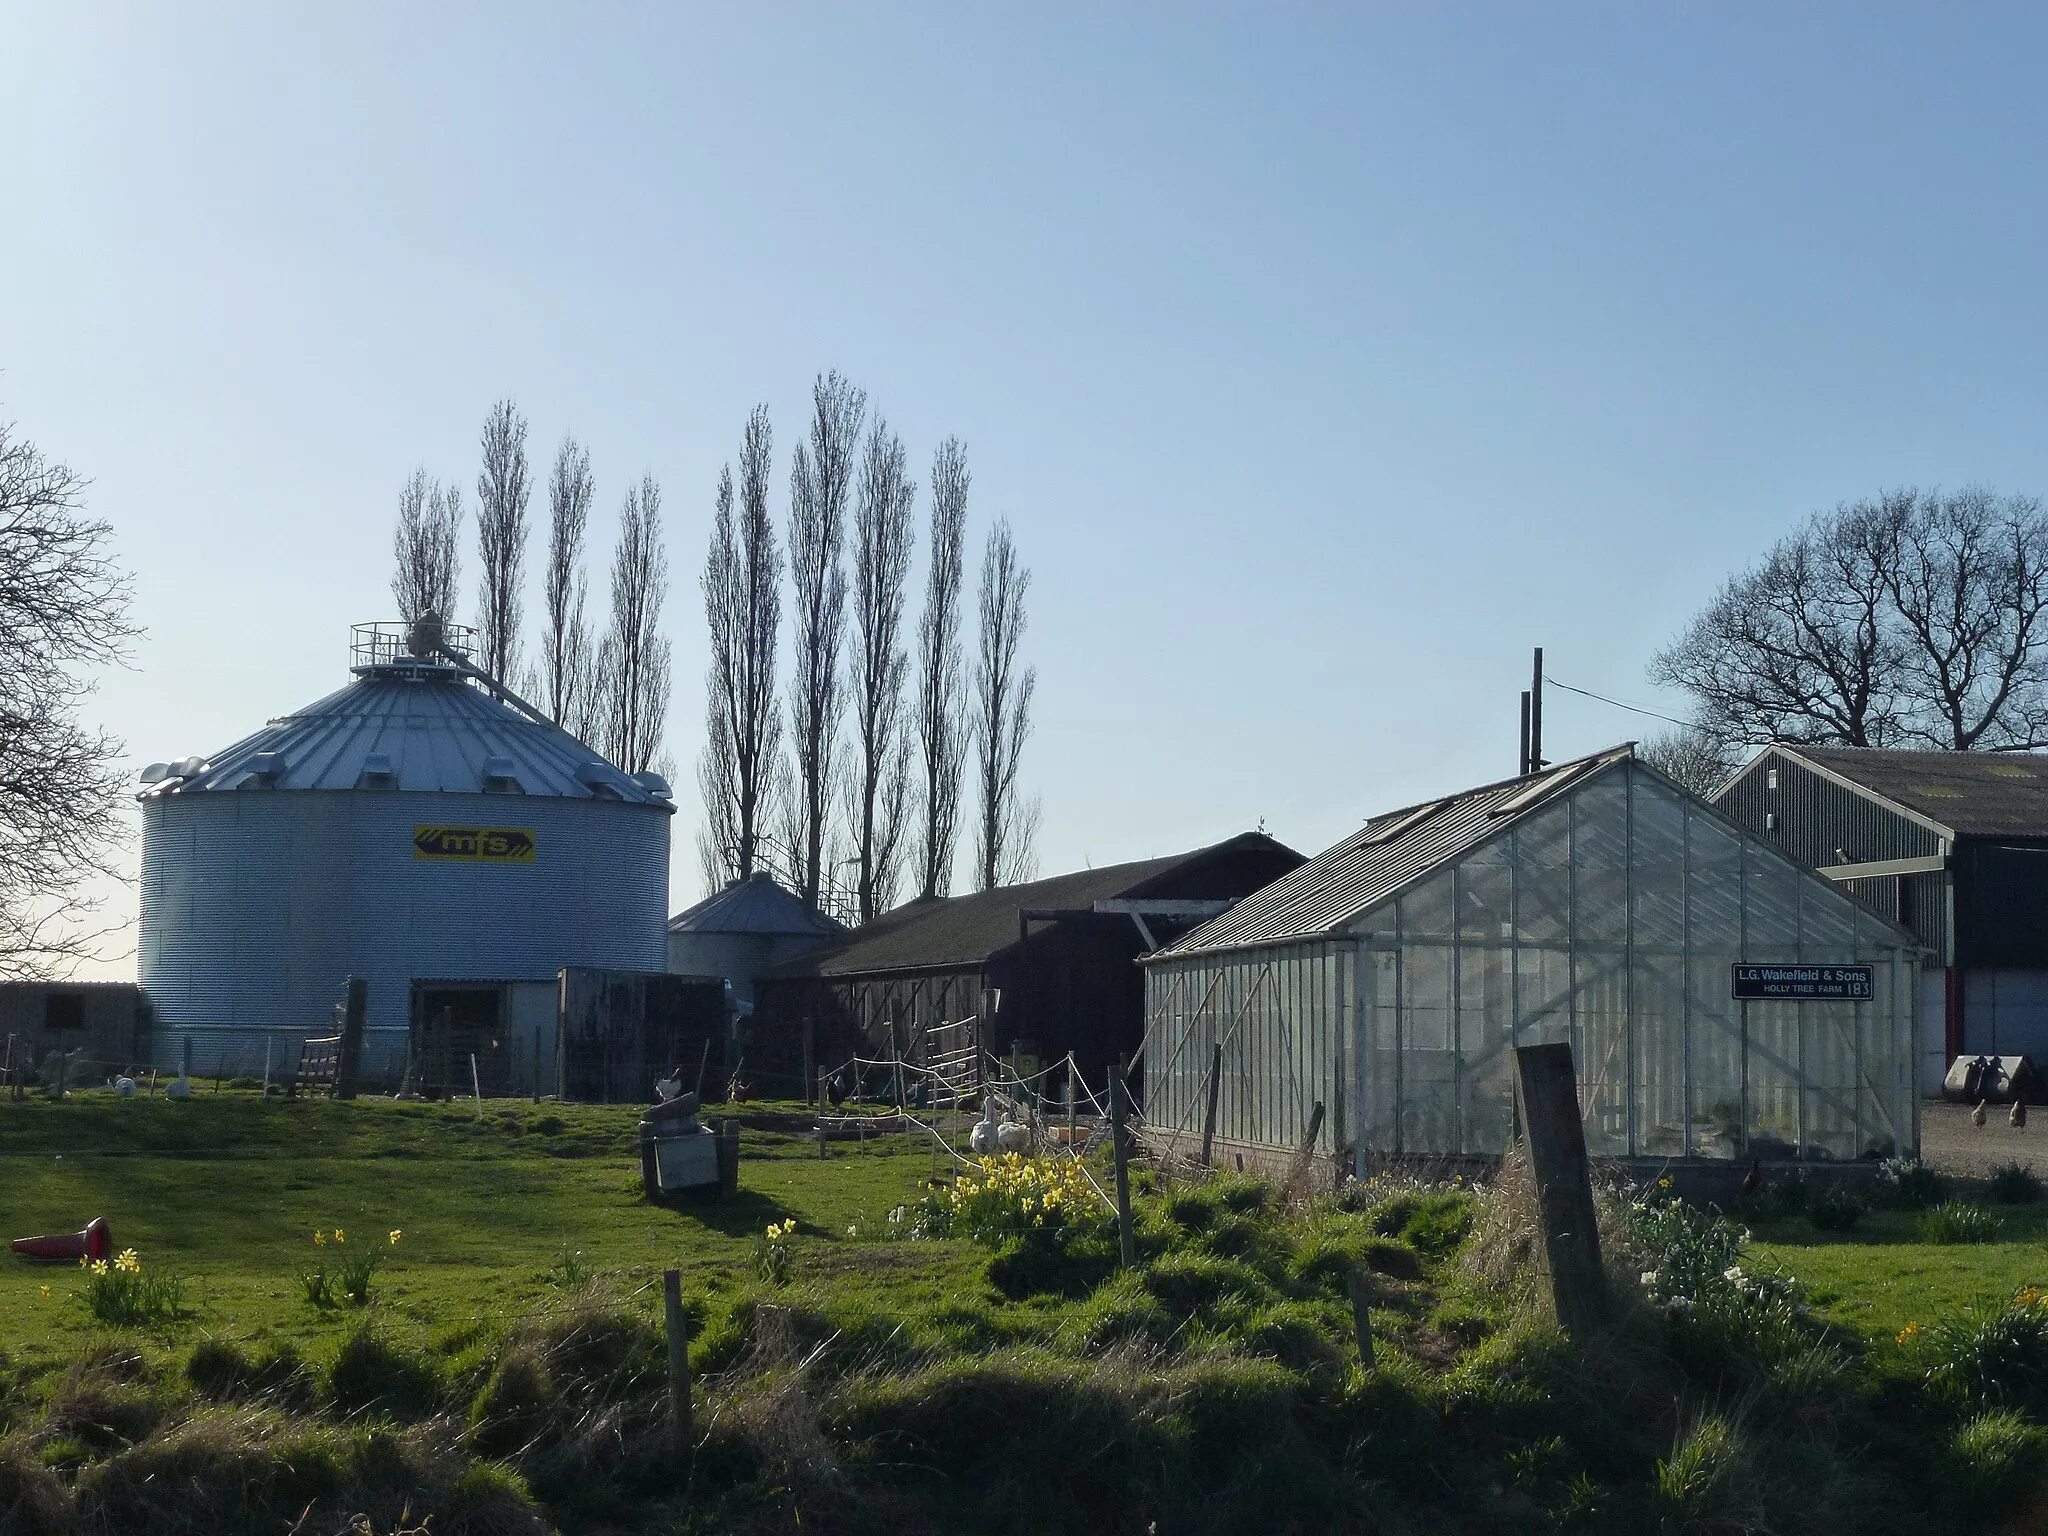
63	611
502	492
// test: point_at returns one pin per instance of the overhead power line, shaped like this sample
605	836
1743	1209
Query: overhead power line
1634	709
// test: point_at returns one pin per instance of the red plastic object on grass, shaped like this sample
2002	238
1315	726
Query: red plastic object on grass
95	1242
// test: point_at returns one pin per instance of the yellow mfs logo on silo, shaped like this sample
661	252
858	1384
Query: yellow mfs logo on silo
474	845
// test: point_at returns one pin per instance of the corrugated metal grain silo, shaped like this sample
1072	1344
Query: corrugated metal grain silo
413	829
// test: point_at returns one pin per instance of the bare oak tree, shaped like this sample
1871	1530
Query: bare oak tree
941	701
426	548
1694	756
1915	619
1003	688
567	682
63	610
820	479
633	658
1967	575
878	786
743	608
502	492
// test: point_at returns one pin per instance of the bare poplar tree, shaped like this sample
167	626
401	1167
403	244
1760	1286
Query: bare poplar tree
1002	716
820	477
1915	619
633	658
941	702
426	548
567	684
63	609
502	492
743	607
878	784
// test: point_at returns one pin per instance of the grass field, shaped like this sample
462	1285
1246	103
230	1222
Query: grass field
1882	1276
508	1373
229	1189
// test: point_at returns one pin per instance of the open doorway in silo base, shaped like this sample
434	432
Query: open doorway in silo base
509	1026
451	1022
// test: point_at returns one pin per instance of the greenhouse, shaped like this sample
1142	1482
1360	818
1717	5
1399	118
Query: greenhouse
1720	1001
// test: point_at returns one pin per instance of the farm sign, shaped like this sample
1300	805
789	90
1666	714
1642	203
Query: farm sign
474	845
1802	983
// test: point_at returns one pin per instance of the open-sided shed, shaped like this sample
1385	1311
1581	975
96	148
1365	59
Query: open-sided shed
1720	1000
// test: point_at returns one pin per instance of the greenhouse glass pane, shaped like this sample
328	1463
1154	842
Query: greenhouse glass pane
1658	997
1600	1048
1542	858
1600	863
1543	979
1829	1064
1483	895
1426	911
1383	1062
1658	888
1774	1079
1485	1039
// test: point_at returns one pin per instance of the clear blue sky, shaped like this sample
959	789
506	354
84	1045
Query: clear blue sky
1323	359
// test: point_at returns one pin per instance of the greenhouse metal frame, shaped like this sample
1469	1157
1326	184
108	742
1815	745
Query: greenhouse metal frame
1597	903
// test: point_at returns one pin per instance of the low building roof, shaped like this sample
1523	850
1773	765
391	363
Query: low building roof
1968	794
756	905
1382	859
957	931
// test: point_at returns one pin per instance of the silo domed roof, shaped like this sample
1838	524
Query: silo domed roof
410	723
755	905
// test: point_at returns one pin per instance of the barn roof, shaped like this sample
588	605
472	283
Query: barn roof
1970	794
956	931
756	905
1382	859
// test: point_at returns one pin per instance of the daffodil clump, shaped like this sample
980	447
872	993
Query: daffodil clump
344	1274
772	1260
119	1293
1047	1198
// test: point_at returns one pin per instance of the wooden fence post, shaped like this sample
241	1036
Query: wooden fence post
354	1016
1564	1185
1127	1240
1215	1088
1361	1314
678	1361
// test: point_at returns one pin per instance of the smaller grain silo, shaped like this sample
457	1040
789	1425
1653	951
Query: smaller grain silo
743	930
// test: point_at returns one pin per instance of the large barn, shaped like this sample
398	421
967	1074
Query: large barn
1952	844
1720	1000
1045	967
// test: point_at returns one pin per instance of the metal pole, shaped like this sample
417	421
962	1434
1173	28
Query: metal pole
678	1360
1126	1238
1070	1101
1209	1118
267	1043
1536	714
476	1086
